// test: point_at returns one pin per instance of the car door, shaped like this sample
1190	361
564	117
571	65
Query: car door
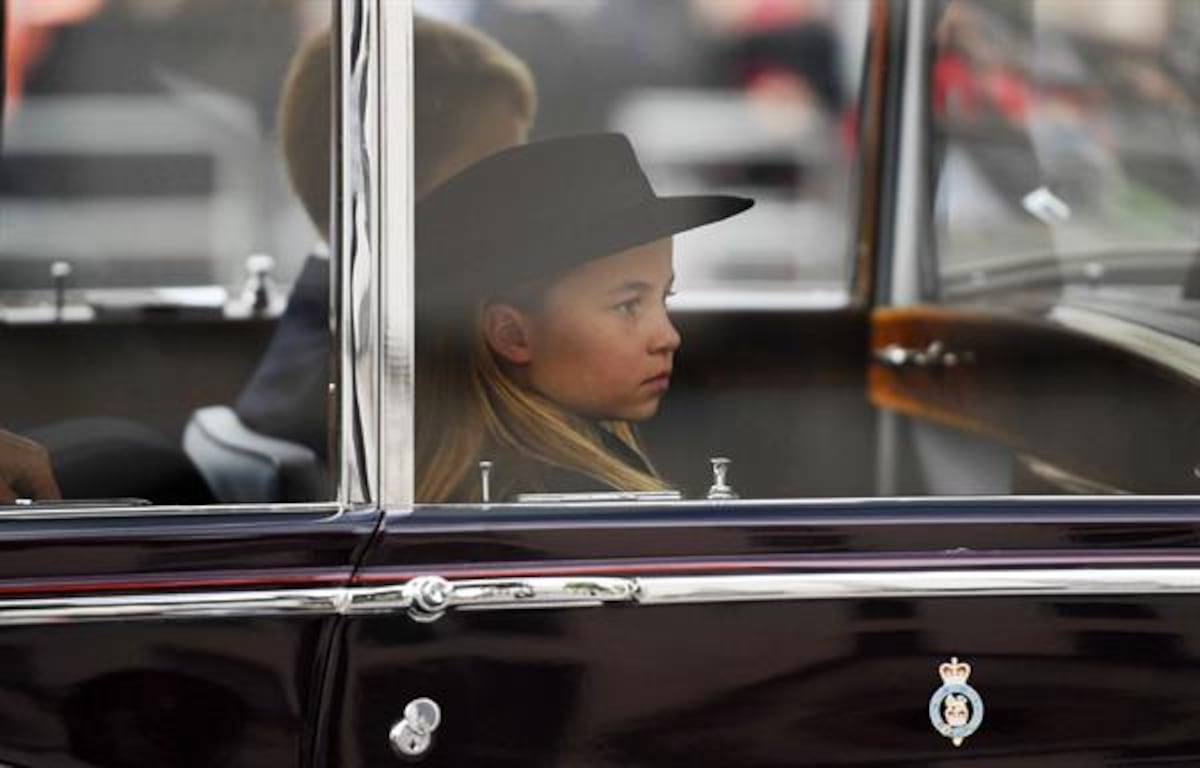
148	619
943	617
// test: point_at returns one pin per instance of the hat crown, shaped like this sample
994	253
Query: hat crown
536	184
537	209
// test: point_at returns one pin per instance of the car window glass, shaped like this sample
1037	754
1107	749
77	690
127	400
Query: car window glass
582	172
1051	345
1068	147
152	237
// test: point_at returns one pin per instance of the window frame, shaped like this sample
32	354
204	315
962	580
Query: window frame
891	234
356	258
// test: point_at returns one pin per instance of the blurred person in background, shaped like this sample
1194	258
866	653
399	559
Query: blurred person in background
31	27
87	52
472	98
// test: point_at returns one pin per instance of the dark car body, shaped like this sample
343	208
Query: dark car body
805	624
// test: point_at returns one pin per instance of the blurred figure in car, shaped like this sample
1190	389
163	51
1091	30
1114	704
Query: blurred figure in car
472	98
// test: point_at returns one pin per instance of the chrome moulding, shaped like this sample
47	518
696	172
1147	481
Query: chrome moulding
357	240
174	605
395	291
429	597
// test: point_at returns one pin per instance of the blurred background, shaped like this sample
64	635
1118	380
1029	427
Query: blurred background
749	97
1067	145
140	147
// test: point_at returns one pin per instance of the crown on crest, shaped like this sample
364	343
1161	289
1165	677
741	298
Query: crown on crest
954	671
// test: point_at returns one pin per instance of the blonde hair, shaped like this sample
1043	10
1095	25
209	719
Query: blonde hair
466	401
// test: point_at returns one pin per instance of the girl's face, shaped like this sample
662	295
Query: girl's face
601	344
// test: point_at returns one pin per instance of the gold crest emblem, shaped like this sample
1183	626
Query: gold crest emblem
955	709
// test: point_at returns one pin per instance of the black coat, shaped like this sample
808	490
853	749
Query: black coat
288	395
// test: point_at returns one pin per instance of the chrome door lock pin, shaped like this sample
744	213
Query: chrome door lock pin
485	481
720	489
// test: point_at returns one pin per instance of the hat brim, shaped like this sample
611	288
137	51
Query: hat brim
663	216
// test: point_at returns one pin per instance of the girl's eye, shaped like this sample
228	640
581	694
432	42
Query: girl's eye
629	307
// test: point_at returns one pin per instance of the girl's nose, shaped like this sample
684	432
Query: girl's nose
665	338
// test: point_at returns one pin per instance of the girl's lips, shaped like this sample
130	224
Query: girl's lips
660	382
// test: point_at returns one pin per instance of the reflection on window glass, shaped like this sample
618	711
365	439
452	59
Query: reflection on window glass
740	96
597	163
160	209
1070	145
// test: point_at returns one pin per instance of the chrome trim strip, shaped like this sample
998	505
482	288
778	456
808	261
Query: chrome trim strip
53	512
589	497
557	592
173	605
355	231
396	243
427	598
907	509
1168	351
919	584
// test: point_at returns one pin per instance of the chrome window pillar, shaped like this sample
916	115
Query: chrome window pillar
360	222
911	232
395	415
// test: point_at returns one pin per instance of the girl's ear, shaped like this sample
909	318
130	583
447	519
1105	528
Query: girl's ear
506	330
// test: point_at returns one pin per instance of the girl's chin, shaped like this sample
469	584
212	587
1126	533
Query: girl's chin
642	411
639	411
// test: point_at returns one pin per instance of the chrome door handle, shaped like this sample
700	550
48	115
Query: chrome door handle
427	598
935	356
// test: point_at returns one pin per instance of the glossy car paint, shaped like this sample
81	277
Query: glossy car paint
1082	679
231	691
1067	680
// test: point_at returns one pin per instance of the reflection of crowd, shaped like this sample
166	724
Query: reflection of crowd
779	48
197	80
1027	96
57	47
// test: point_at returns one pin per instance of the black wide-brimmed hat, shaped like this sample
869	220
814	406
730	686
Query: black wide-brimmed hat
537	210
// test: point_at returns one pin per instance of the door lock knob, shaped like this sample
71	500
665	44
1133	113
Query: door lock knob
413	736
720	489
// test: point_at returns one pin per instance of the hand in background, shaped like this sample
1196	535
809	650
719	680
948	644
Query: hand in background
25	470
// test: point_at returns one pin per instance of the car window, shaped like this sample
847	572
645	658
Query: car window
1068	147
734	95
164	282
599	186
1047	344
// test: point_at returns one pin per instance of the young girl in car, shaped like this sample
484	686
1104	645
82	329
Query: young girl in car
542	335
